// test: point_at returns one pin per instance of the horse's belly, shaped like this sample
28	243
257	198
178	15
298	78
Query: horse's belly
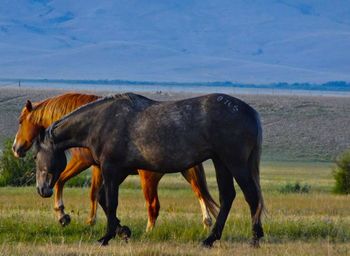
168	157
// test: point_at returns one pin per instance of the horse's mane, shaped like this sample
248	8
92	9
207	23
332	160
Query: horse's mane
52	109
124	96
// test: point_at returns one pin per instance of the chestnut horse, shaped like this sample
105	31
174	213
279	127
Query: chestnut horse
38	116
129	131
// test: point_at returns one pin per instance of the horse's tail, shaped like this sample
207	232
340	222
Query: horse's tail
196	176
254	161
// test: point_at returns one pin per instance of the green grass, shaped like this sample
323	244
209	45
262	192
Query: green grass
310	220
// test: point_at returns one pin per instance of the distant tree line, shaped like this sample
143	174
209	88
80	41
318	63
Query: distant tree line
329	86
21	172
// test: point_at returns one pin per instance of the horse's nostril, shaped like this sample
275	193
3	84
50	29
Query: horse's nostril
19	152
49	193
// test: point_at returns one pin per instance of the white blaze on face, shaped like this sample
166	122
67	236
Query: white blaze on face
13	146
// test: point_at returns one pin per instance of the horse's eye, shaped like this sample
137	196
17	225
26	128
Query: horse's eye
34	157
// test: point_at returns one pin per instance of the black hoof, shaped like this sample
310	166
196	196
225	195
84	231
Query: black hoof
258	231
105	239
255	243
124	233
65	220
207	243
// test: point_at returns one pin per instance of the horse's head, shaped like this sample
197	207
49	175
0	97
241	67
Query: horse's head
50	162
27	131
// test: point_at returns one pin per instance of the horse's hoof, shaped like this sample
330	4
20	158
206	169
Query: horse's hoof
103	241
124	233
65	220
207	222
207	243
149	227
255	243
91	222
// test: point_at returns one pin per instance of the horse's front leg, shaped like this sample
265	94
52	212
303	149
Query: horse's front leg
96	183
74	167
112	178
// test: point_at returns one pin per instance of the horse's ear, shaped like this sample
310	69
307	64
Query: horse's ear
29	105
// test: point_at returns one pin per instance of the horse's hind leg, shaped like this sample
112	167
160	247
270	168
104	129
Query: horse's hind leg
251	191
227	194
96	182
196	177
149	184
74	167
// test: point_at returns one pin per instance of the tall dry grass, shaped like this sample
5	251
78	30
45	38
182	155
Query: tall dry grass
315	223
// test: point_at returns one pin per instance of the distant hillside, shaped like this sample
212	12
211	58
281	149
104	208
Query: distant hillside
252	41
295	128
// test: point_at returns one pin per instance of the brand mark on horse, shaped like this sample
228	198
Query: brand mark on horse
228	103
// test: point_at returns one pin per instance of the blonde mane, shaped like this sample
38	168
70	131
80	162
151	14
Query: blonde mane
121	96
52	109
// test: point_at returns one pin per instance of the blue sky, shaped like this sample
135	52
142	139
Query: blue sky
182	41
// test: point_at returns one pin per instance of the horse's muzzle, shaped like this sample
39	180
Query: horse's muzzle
45	191
18	151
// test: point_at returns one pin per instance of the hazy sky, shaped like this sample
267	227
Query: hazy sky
203	40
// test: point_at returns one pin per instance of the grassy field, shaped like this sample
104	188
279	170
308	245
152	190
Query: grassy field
315	223
296	128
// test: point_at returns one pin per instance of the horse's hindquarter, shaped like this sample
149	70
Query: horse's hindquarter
235	128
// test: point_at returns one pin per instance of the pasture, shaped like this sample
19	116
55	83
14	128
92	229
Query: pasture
308	130
314	223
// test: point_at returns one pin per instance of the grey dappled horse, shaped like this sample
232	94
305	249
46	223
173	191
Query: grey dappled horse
126	132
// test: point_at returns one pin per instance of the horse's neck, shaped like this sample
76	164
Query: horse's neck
68	135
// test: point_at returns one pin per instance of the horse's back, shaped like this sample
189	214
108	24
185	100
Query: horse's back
192	129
